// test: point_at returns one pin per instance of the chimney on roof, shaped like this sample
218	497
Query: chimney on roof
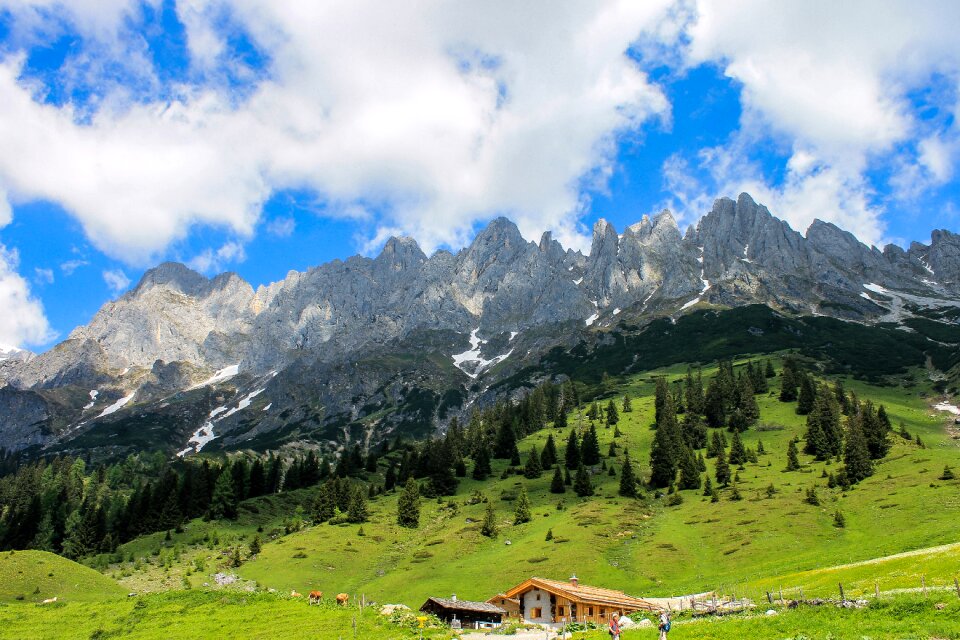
574	581
454	597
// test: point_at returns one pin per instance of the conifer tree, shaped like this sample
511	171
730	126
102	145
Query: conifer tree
324	503
223	504
701	463
693	392
667	447
824	437
722	471
770	372
557	485
735	494
408	505
572	453
627	403
613	417
760	449
661	392
793	460
590	447
738	455
566	478
506	442
255	545
358	512
612	450
489	526
788	381
582	485
707	487
628	481
689	470
560	422
857	463
806	396
715	404
532	470
717	444
522	512
515	458
694	431
481	464
549	456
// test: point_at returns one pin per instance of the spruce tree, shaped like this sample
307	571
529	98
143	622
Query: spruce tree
223	504
689	470
506	441
255	545
793	460
481	464
722	471
566	478
532	469
770	372
515	457
590	447
358	512
572	454
659	398
708	487
760	449
788	381
556	485
715	405
628	481
667	447
408	505
694	431
806	396
627	403
857	463
824	437
489	526
522	512
549	456
582	485
738	455
613	416
693	390
717	445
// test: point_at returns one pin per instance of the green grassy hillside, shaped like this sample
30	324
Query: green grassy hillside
33	576
642	546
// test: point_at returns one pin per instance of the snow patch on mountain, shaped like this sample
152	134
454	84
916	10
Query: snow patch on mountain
116	406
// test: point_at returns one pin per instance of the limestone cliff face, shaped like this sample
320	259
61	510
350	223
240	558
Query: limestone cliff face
456	318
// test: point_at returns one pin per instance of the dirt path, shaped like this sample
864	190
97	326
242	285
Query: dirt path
905	554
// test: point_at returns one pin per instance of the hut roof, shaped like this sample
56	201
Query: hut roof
465	605
584	593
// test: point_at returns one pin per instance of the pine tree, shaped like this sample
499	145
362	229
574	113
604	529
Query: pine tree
613	416
627	403
255	545
549	456
628	481
532	470
521	513
735	494
560	422
408	505
235	560
812	497
838	520
693	390
689	470
582	485
515	458
489	526
612	450
714	404
358	512
223	504
481	464
707	487
556	485
738	455
760	449
789	381
566	478
722	471
857	464
770	372
793	460
824	437
660	397
572	454
717	444
506	441
590	447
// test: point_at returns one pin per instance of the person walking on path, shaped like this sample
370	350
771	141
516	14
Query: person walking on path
664	625
615	626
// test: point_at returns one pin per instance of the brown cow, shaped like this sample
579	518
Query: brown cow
342	599
315	597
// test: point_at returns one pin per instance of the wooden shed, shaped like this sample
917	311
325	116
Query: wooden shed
469	615
554	602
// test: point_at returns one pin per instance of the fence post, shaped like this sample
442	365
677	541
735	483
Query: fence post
843	598
801	594
876	588
769	597
923	584
956	584
781	595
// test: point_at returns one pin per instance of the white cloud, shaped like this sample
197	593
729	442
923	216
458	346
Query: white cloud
210	261
282	227
43	276
828	82
441	115
70	266
116	280
23	321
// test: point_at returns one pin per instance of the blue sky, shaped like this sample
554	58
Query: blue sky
233	135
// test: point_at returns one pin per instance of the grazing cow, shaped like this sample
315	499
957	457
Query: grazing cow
316	597
294	594
342	599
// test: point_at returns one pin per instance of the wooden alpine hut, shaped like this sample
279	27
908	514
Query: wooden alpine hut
554	602
464	613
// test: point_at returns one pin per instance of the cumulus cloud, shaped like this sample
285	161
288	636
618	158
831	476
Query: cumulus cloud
440	115
210	261
831	82
116	280
282	227
23	321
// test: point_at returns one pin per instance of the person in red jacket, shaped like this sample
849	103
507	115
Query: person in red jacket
615	626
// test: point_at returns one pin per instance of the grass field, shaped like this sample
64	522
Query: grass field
33	576
641	546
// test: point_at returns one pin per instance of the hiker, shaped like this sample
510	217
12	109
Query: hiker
664	625
615	626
